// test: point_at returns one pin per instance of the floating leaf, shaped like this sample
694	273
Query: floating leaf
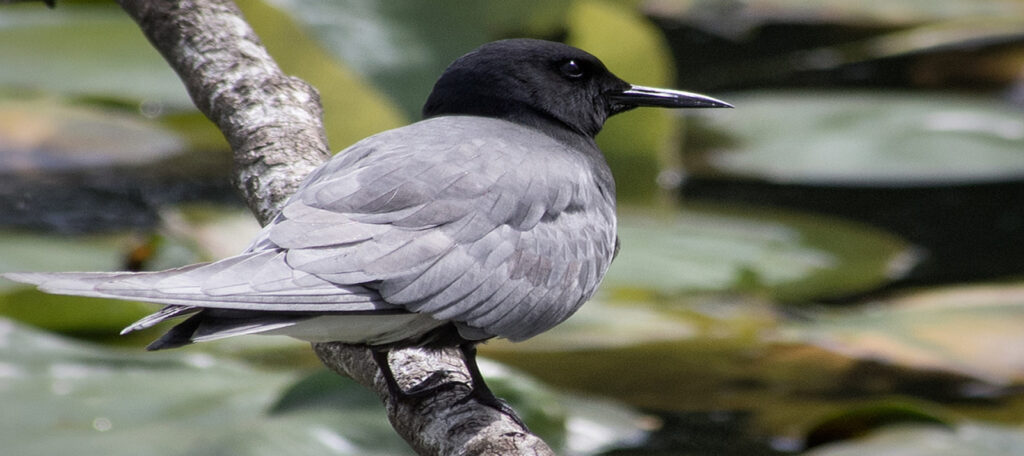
971	330
859	421
861	13
863	138
735	353
44	137
91	50
60	396
782	254
101	319
975	439
110	59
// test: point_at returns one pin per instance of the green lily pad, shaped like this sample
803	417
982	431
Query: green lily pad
45	136
605	323
60	396
110	59
92	50
975	439
862	138
781	254
729	352
96	318
727	355
860	421
832	11
955	33
971	330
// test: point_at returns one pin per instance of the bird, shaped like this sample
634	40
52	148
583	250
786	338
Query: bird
492	217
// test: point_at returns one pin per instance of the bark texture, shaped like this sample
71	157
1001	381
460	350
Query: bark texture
273	123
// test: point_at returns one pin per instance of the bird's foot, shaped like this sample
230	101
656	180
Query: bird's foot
486	397
438	382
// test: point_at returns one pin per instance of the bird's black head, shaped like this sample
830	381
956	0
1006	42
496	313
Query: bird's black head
545	85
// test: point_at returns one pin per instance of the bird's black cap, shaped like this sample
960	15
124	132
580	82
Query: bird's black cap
546	85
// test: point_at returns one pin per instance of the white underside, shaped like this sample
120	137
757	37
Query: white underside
358	329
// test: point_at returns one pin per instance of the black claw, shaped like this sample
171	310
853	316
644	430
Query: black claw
434	383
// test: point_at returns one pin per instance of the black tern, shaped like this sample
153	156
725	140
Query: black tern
492	217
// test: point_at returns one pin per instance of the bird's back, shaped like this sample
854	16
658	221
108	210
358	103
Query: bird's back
480	221
484	223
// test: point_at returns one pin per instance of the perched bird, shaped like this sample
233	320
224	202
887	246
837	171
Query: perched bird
493	217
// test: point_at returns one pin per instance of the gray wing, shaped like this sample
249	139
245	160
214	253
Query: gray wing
254	292
252	281
505	239
470	226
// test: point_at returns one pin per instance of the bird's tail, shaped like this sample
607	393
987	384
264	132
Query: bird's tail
95	284
250	293
258	281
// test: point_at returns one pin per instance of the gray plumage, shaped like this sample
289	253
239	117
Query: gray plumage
494	217
497	234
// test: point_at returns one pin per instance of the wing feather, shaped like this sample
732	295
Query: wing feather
482	222
481	236
234	290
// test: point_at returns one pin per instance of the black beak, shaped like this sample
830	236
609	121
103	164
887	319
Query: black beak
636	96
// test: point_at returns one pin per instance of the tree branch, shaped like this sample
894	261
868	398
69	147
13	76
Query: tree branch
273	123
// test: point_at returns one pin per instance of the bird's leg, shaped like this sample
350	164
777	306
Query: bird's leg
428	386
435	382
381	358
481	392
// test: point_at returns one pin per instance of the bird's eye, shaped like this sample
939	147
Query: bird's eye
571	69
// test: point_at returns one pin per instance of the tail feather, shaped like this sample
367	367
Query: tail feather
251	281
213	324
256	292
153	319
178	336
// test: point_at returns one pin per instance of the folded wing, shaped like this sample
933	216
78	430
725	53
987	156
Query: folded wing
468	226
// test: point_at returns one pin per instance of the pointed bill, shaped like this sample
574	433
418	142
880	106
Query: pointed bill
636	96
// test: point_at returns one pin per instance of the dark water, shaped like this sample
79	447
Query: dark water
969	232
102	200
707	433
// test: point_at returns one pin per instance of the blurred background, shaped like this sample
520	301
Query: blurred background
832	268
